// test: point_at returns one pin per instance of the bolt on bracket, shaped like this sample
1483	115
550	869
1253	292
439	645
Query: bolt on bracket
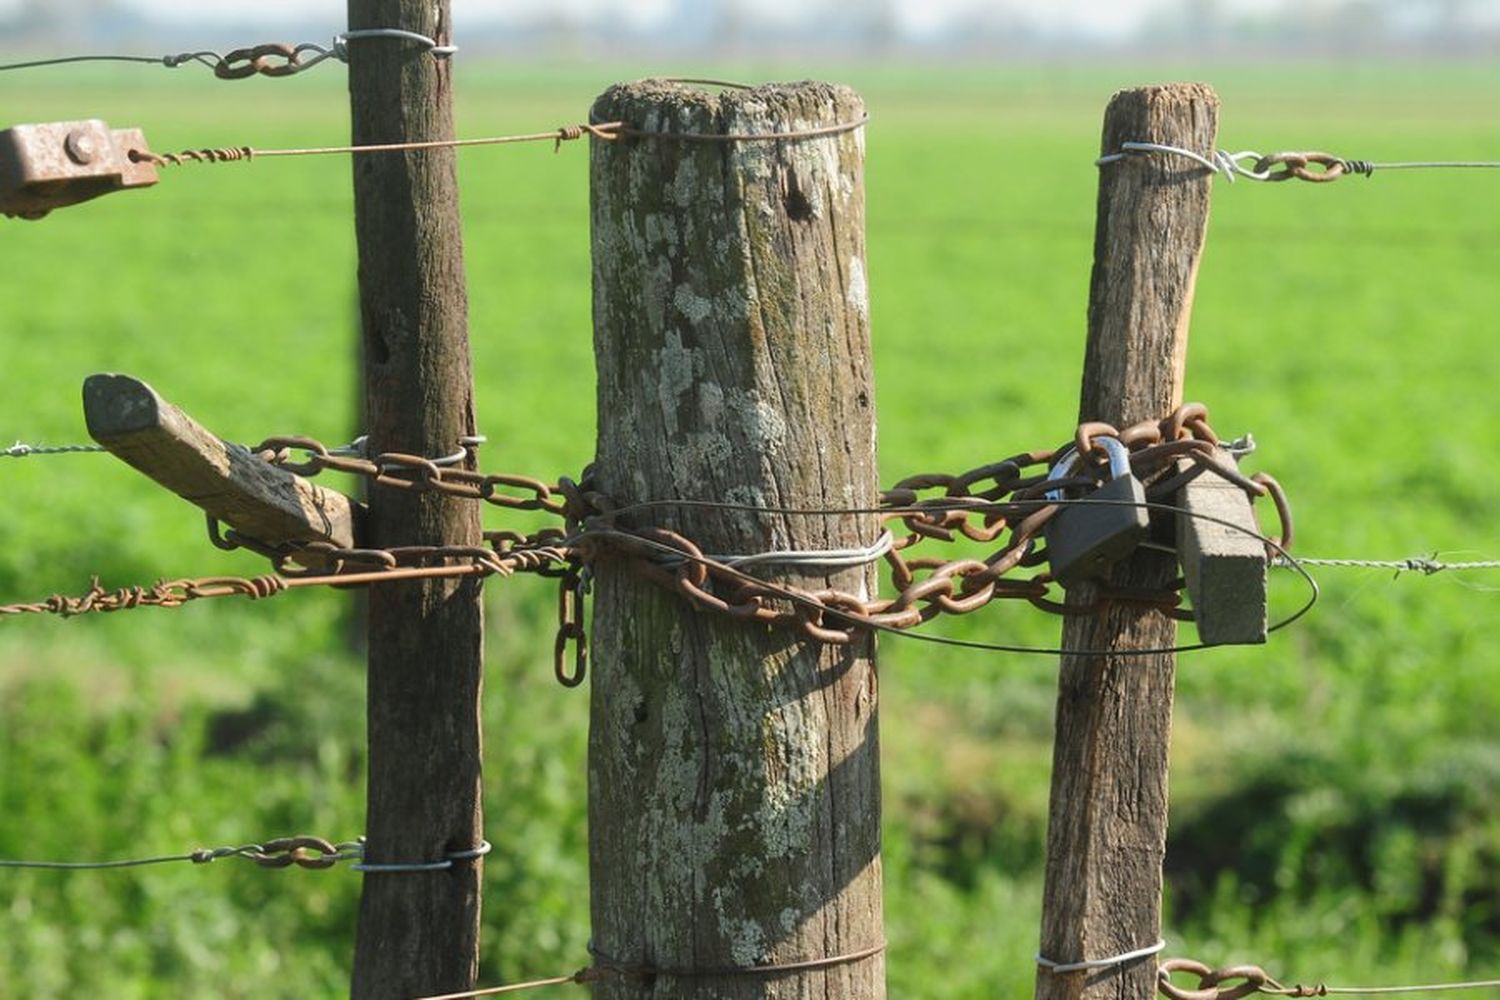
55	164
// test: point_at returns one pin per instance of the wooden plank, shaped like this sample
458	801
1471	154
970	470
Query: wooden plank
418	932
734	783
257	499
1106	831
1225	569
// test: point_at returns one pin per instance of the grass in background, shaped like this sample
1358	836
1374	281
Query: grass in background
1334	793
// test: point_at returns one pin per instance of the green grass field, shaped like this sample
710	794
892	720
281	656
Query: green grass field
1336	794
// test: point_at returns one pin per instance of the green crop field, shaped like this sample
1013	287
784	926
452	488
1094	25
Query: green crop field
1335	794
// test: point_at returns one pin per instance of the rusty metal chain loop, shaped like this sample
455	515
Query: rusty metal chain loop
270	59
1296	165
572	589
1214	984
303	851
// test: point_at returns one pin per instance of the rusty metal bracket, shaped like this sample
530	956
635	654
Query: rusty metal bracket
55	164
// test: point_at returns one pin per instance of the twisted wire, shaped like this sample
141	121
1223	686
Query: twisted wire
22	450
254	58
1231	165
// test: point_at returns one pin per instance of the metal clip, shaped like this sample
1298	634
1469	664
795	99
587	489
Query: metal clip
55	164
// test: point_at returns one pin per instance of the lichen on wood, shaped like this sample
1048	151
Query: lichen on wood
734	772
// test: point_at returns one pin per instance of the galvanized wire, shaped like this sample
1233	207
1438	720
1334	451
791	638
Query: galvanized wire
302	851
305	852
1292	165
1061	968
271	59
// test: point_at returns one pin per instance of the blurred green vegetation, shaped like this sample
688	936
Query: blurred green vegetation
1335	810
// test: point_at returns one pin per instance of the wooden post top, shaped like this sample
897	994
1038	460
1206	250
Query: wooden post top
257	499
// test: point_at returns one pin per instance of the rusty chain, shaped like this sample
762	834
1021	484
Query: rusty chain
1002	500
1008	503
271	59
398	470
982	505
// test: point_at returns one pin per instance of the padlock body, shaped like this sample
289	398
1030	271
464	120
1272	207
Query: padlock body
1085	540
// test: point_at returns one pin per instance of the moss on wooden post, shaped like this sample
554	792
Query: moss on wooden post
734	772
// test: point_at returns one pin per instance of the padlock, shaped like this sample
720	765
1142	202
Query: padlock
1085	539
54	164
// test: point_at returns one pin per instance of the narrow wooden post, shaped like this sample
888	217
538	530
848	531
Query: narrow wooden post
1106	832
418	932
734	793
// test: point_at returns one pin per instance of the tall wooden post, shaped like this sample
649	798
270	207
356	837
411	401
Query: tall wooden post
1106	832
418	932
734	793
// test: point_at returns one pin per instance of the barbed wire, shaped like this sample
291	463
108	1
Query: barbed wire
1426	565
272	59
1291	165
1234	982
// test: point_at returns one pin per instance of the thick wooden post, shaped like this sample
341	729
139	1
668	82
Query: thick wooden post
1106	832
418	932
734	793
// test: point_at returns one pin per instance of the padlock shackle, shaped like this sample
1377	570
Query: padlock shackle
1119	455
1066	459
1114	449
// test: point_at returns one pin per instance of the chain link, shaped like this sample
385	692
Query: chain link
413	472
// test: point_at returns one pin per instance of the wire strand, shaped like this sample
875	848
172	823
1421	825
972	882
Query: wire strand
605	131
1061	968
22	450
1293	165
252	60
1427	566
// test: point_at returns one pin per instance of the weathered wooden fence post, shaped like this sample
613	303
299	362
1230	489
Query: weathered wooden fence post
418	932
734	793
1106	834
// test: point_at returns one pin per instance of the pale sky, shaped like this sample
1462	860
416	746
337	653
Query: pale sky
1100	20
1091	17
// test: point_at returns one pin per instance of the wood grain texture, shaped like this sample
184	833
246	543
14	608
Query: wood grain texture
418	933
257	499
1225	569
734	795
1106	832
